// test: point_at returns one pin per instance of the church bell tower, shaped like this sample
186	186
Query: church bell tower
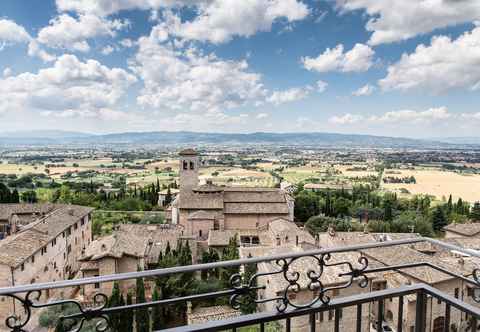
189	165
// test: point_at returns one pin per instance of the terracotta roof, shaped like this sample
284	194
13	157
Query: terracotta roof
201	214
256	208
116	245
205	314
404	255
15	249
7	210
188	152
157	236
253	195
468	229
197	201
283	228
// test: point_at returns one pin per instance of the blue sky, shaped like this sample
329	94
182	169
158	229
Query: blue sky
409	68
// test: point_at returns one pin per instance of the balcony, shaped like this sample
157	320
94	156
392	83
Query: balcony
336	289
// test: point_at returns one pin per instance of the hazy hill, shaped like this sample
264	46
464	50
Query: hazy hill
185	137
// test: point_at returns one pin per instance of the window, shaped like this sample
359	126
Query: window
330	314
33	258
97	284
200	233
320	316
54	242
457	293
22	267
192	165
185	165
76	241
75	226
63	234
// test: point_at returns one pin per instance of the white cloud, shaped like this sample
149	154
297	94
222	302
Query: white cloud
345	119
365	90
321	86
69	86
218	21
107	7
262	115
12	33
7	72
397	118
127	42
107	50
358	59
393	20
290	95
179	77
444	64
67	32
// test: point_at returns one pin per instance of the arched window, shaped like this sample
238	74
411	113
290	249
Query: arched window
192	165
185	165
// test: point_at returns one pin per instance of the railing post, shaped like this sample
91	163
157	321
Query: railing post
380	315
420	312
400	314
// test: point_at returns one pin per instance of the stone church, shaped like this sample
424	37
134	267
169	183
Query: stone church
202	208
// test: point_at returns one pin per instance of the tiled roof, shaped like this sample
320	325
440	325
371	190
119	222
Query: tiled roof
157	236
197	201
201	214
205	314
468	229
403	254
116	245
15	249
188	152
256	208
283	228
6	210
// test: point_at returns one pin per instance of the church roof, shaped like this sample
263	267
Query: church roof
209	215
199	201
188	152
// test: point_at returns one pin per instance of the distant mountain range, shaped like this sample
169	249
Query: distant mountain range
57	137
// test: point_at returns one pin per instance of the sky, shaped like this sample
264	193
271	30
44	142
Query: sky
396	68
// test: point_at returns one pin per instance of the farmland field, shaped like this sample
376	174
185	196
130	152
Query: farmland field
440	184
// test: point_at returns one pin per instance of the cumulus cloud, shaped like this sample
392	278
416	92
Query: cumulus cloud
444	64
180	76
69	86
365	90
400	117
7	72
345	119
262	115
216	21
321	86
393	20
107	7
12	33
289	95
358	59
107	50
219	21
67	32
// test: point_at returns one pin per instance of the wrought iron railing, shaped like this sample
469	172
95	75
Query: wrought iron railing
28	300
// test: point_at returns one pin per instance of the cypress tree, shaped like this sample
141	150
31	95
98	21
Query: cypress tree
157	314
114	301
142	316
439	220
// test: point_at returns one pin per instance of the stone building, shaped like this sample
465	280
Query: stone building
405	254
202	208
45	250
13	217
129	247
462	230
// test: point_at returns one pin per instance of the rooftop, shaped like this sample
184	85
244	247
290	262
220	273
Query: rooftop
467	229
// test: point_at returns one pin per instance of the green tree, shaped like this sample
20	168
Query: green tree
439	220
115	301
142	316
157	314
306	205
128	316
